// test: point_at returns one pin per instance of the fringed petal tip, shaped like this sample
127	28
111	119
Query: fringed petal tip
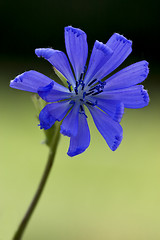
46	120
122	38
103	47
119	112
12	83
45	126
30	81
117	142
76	31
145	96
65	132
146	69
76	152
44	52
19	78
81	141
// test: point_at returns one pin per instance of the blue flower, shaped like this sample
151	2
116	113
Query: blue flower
87	88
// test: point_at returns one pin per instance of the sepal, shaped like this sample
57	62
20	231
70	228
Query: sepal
52	134
38	102
62	78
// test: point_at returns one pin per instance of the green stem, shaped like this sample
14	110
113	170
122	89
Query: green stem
33	204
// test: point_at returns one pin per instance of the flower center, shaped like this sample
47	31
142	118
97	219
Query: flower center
83	93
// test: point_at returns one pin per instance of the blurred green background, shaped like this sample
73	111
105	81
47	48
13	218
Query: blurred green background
100	194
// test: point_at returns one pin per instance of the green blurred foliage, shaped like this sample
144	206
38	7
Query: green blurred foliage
98	195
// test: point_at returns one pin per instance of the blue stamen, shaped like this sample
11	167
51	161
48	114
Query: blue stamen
83	86
76	91
84	114
91	103
102	84
89	93
93	81
97	93
76	88
91	89
80	82
98	88
82	111
69	86
85	69
81	76
77	84
81	108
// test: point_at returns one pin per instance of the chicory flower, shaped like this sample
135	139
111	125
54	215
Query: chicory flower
88	87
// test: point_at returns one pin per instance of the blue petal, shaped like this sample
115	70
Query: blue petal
30	81
121	49
100	55
59	60
69	125
110	130
49	94
112	107
81	141
129	76
132	97
77	49
53	112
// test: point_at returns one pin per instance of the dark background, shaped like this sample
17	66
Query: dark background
26	25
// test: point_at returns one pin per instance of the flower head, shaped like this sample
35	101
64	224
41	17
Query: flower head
105	99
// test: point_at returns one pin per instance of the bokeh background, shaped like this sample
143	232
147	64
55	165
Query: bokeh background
99	194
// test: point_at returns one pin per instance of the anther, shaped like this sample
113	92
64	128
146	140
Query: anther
89	93
81	108
102	84
91	103
85	69
69	86
93	81
84	94
76	88
83	85
91	89
77	84
98	88
82	111
81	76
97	93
